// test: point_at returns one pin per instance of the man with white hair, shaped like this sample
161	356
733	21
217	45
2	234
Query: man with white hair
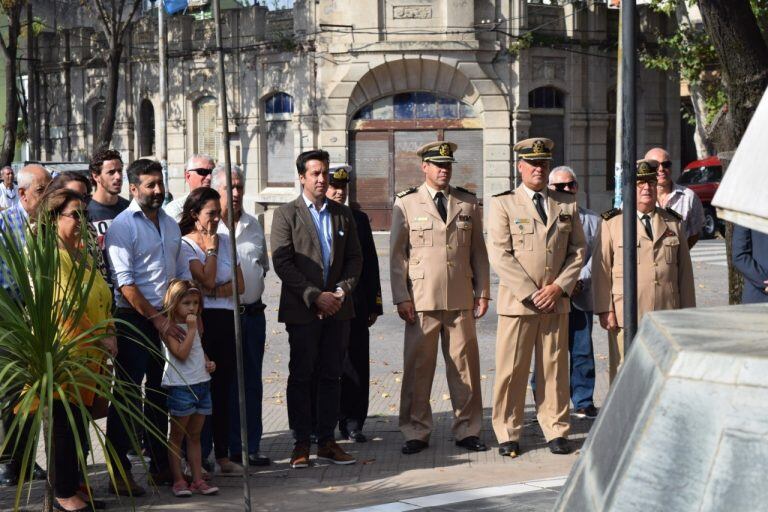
677	197
9	193
582	367
197	173
33	180
254	262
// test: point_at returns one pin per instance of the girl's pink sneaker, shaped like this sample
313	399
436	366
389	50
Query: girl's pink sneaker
202	487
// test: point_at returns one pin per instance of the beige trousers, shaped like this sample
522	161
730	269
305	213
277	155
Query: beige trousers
615	352
516	339
456	330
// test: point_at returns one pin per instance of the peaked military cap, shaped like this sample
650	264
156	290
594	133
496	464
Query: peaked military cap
646	170
339	174
536	148
437	152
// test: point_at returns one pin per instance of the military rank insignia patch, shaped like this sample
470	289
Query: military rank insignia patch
503	193
465	217
610	213
465	190
406	192
674	213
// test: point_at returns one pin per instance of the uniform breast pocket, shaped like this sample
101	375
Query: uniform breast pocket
671	248
522	237
421	234
464	230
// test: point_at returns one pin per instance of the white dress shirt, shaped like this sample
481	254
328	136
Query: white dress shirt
251	255
8	197
685	202
544	195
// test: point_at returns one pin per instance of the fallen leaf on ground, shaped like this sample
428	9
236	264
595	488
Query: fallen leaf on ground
369	461
446	396
385	395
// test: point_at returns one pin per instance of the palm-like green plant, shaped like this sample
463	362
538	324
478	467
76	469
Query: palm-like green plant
45	355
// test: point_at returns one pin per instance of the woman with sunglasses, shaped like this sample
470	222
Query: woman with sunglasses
64	209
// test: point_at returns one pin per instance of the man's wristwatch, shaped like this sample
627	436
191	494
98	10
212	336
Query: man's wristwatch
211	252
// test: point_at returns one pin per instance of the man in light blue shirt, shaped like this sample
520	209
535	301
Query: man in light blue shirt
144	248
322	220
33	180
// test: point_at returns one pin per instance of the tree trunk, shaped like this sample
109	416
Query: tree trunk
110	104
8	148
743	57
700	137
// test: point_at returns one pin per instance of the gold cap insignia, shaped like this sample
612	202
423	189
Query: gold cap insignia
445	150
538	146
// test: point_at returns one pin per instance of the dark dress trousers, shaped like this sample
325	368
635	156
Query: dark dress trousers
367	301
317	346
750	257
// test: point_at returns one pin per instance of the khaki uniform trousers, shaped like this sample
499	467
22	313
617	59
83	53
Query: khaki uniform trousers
615	352
462	362
516	339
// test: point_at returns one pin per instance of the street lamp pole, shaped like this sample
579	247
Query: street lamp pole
233	255
629	171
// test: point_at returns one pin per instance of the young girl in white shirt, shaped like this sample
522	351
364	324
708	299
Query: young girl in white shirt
187	381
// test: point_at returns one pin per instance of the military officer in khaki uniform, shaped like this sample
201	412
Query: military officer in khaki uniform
537	247
664	271
441	284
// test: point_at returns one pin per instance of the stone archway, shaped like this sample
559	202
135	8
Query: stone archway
468	82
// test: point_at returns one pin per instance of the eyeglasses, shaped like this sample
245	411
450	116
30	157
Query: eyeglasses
202	171
666	164
650	184
560	187
76	215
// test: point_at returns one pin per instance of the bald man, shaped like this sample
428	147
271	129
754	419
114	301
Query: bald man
680	199
33	179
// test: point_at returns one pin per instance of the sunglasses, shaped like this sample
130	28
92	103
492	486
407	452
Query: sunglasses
666	164
76	215
560	187
201	171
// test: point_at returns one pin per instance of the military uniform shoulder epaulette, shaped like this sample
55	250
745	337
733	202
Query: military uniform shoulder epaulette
673	213
407	191
504	193
462	189
610	213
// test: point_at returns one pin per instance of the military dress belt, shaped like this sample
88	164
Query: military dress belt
252	309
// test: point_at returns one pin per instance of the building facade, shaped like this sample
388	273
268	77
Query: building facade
369	81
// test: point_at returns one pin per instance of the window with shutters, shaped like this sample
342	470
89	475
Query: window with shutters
280	157
206	135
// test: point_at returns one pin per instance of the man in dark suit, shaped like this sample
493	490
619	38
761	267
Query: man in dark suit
750	257
367	300
316	254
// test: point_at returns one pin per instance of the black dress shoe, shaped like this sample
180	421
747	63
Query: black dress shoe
559	446
39	473
509	449
472	443
258	460
356	436
9	476
413	446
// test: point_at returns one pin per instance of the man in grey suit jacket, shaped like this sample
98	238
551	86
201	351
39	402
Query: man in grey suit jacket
582	358
316	254
750	257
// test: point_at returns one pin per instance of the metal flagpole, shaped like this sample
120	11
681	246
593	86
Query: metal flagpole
233	255
617	181
629	174
162	60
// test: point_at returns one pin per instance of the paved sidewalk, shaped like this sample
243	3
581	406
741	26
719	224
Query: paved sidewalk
383	475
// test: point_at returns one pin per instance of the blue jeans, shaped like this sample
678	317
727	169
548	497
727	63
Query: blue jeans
582	358
254	335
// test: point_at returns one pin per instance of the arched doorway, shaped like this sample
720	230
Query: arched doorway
146	128
384	136
547	105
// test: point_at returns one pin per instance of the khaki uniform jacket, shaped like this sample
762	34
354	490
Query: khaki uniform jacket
437	265
528	255
664	270
298	260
